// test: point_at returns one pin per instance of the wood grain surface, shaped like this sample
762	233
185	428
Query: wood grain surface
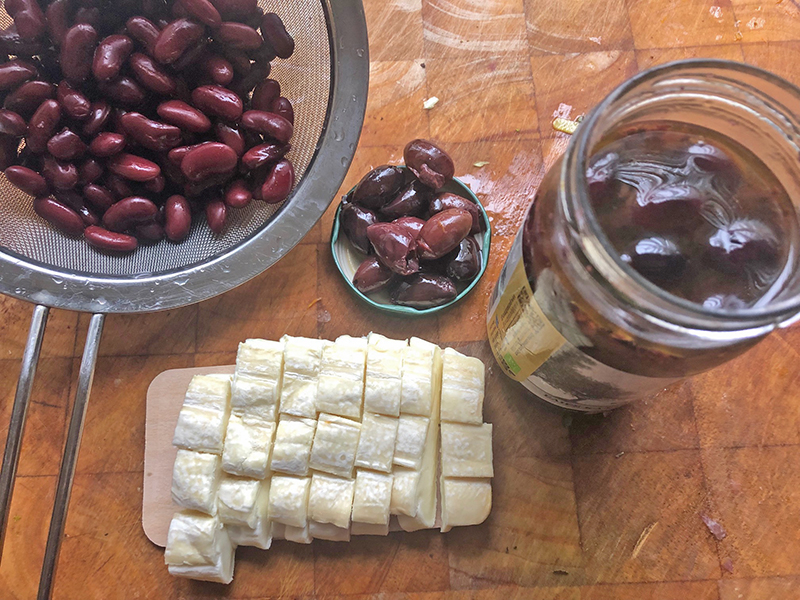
600	508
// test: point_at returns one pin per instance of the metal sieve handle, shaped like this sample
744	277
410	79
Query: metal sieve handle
64	487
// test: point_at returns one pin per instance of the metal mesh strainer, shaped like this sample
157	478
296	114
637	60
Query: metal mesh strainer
326	80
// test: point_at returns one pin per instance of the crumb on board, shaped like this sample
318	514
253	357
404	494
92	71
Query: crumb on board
565	125
430	102
560	572
716	529
313	302
480	163
643	539
618	454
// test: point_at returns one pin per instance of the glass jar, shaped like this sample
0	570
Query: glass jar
571	319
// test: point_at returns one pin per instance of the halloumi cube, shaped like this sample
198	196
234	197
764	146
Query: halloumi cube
248	446
383	380
204	414
288	500
463	380
298	535
372	497
301	364
255	397
465	501
328	531
292	448
261	358
237	500
335	445
405	492
421	376
412	431
195	480
377	442
260	533
198	547
467	450
368	529
340	388
331	499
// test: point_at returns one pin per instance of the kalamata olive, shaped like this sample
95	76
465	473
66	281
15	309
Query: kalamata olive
429	163
354	220
743	242
371	276
378	187
656	258
447	200
412	224
413	200
443	232
424	290
465	261
394	247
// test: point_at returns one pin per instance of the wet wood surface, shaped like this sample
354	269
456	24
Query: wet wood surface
599	508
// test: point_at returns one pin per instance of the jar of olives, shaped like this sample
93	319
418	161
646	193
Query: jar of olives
664	242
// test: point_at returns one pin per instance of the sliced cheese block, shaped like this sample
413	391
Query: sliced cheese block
260	534
465	501
195	480
331	499
209	391
261	358
247	448
340	388
372	497
204	414
405	492
377	442
462	388
368	529
383	380
467	450
421	366
328	531
335	445
292	448
298	535
412	432
198	547
288	500
255	397
302	358
237	500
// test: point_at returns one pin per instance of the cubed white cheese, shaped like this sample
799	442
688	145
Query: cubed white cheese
260	535
237	500
298	535
248	445
383	381
467	450
421	361
373	495
255	397
335	445
288	500
330	499
292	448
328	531
412	432
405	492
340	389
465	501
198	547
195	480
261	358
302	358
462	388
377	442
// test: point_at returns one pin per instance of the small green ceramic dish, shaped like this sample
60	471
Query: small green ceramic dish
347	259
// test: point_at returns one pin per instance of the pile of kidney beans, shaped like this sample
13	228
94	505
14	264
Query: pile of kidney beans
420	240
137	114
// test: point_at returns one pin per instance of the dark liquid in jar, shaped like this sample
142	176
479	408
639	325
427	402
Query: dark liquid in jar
694	212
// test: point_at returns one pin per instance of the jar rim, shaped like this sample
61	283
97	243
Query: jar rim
657	301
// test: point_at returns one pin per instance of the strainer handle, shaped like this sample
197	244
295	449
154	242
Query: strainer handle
16	427
64	487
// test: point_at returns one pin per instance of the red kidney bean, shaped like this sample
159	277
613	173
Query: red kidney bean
265	94
57	17
230	135
89	170
263	154
77	51
28	180
239	61
175	156
153	135
12	124
447	200
89	15
8	151
213	184
429	163
172	173
378	187
74	104
238	35
218	69
175	39
235	9
59	215
12	43
28	17
69	198
111	241
371	276
238	195
270	124
412	224
242	86
155	185
151	75
119	187
107	144
208	159
203	11
192	56
135	168
218	101
413	200
443	232
62	176
149	233
128	212
98	115
185	116
66	145
354	221
27	97
275	34
98	196
87	215
110	55
144	31
394	247
216	214
281	106
424	290
177	218
15	72
254	18
42	125
279	183
124	90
